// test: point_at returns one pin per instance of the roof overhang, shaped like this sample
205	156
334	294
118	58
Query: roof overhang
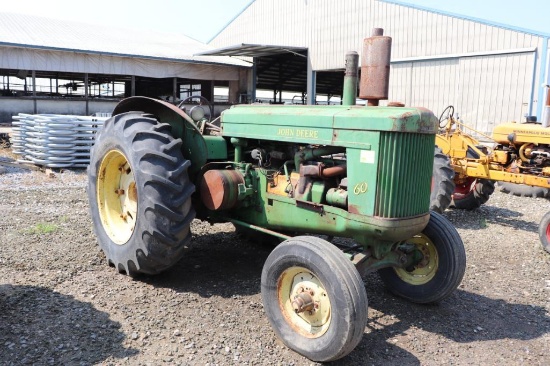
282	67
254	50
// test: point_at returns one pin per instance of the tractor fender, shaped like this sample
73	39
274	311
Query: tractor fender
194	146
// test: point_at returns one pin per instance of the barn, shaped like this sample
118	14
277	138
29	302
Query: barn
68	67
492	73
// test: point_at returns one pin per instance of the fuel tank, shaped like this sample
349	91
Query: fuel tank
519	133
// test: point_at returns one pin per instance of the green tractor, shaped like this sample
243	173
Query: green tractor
297	173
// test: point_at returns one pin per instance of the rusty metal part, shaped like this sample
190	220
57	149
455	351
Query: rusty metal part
311	170
320	170
132	191
219	189
333	171
396	104
315	170
375	68
312	206
377	32
281	184
303	302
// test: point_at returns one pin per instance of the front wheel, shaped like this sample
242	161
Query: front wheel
439	271
544	232
314	298
472	193
140	194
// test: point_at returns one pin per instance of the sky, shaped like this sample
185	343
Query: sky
526	14
203	19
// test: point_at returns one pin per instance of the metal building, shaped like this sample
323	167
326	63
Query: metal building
67	67
492	73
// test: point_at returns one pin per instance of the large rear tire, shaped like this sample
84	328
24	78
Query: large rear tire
443	184
140	194
439	273
308	270
472	194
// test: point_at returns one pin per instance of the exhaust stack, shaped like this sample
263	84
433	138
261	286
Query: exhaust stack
375	68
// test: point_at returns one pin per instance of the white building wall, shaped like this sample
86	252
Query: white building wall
490	74
485	90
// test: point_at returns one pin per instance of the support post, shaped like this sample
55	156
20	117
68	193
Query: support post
233	92
174	89
311	82
86	94
133	86
253	81
34	91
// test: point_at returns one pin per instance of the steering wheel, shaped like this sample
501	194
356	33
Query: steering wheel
203	101
450	111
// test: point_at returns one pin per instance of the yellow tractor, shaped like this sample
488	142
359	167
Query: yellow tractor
520	155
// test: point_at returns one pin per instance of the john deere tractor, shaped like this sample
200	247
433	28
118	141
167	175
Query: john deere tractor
303	174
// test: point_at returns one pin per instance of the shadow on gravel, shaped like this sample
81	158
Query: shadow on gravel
40	327
479	218
222	264
226	265
468	317
464	318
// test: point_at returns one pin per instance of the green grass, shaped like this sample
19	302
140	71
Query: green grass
483	223
43	228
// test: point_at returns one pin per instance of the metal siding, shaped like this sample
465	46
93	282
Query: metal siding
329	30
485	89
400	83
488	96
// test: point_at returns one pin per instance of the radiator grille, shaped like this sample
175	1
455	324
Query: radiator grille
404	174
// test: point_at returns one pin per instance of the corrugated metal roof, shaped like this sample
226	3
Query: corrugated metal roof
45	33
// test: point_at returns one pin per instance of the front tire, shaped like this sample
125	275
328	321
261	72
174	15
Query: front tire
441	269
140	194
472	194
309	270
544	232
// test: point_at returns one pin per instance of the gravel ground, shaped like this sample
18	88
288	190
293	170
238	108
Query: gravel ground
61	304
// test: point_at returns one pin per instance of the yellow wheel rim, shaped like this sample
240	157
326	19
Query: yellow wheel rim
425	270
298	285
117	197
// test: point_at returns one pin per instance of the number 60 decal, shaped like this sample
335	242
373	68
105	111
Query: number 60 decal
360	188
